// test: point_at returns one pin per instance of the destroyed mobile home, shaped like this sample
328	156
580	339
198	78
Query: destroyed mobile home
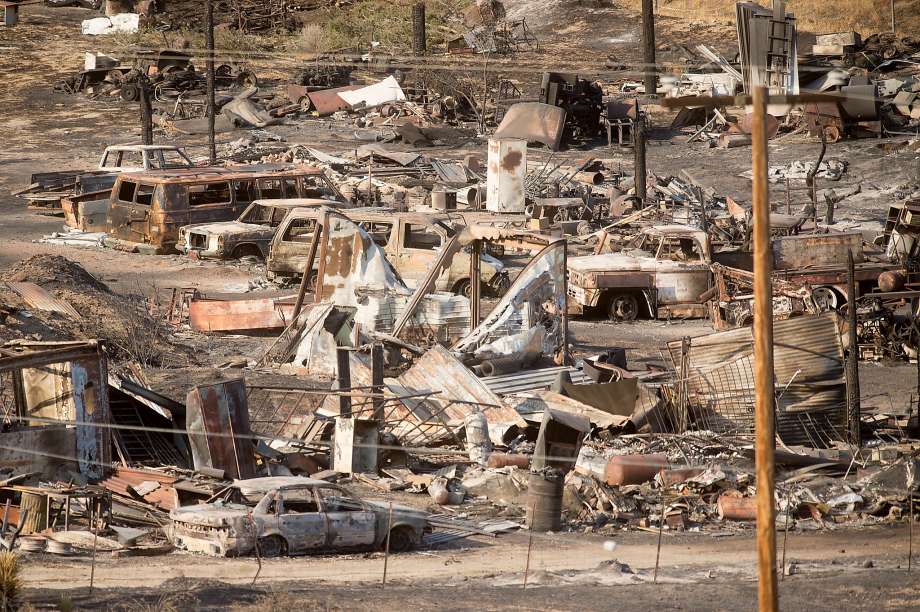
406	303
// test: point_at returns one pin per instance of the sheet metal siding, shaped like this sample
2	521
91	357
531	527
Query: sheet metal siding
221	409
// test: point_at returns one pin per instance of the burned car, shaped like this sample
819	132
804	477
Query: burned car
664	272
250	235
286	515
412	243
146	209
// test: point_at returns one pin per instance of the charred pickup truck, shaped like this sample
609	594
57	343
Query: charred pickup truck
287	515
670	270
146	209
250	235
664	271
411	242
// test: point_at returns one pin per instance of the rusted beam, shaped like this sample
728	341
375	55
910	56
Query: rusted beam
765	445
639	168
742	100
377	366
343	377
308	270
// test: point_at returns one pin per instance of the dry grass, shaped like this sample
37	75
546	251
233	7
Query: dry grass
818	16
10	580
313	38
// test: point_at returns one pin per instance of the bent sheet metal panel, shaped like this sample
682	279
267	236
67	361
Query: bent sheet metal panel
538	289
808	370
438	370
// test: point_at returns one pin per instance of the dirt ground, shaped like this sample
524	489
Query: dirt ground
862	569
866	568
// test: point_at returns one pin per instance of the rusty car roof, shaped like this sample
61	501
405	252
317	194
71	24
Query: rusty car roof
377	212
211	173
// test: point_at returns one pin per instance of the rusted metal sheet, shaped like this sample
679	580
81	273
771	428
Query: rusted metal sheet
813	250
240	315
217	418
125	481
327	101
533	122
37	297
808	366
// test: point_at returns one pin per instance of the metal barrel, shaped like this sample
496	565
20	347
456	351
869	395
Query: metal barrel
544	501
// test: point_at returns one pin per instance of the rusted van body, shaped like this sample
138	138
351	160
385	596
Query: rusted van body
146	209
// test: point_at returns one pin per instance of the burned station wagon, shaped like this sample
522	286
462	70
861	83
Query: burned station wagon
293	515
250	235
411	241
147	209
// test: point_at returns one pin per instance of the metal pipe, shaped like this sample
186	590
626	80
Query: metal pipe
209	43
763	359
475	284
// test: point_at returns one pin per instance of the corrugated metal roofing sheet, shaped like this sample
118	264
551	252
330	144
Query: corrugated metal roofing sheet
38	298
808	370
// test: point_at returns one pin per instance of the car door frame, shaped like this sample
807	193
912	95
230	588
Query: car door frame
333	520
286	523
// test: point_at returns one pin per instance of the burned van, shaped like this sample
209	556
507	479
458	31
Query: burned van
146	209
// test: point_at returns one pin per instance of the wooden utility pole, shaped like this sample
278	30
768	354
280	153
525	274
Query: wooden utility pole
648	47
764	404
209	43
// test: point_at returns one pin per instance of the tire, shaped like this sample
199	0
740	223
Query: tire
246	250
401	540
272	546
825	299
623	307
463	287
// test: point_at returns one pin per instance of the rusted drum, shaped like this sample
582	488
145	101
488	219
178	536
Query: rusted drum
892	280
544	500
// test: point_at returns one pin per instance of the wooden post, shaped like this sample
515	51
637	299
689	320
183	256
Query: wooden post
343	376
386	554
143	86
529	545
377	366
565	309
788	198
660	526
639	169
763	359
648	48
419	38
475	285
209	43
852	355
894	26
308	270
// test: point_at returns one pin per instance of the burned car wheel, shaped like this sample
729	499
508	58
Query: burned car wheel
401	540
272	546
825	299
463	287
623	307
